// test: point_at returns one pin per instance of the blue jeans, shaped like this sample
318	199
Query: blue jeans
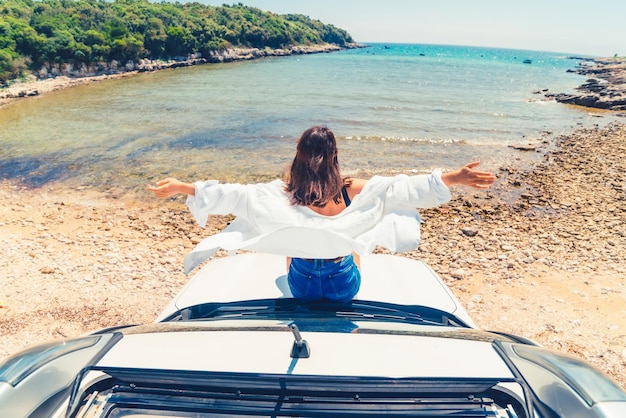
318	279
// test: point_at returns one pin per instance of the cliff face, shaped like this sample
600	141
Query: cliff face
226	55
605	90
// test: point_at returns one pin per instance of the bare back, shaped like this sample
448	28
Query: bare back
331	208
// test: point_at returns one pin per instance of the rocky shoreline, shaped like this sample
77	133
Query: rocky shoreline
606	90
60	76
540	255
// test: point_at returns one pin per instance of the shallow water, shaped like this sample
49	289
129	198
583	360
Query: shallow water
392	109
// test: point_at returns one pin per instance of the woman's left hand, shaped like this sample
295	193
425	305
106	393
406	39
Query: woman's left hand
469	176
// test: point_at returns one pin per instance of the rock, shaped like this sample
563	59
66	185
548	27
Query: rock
523	147
459	274
470	232
606	91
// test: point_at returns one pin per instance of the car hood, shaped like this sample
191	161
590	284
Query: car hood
265	347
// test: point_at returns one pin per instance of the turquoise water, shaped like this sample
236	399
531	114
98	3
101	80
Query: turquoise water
394	108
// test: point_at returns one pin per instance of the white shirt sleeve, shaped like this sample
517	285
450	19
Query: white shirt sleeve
212	198
422	191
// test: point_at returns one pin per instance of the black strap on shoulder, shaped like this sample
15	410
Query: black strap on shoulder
344	194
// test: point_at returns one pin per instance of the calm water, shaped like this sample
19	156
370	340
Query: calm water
395	108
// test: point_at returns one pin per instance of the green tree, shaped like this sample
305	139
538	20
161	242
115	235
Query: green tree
35	32
178	42
155	37
11	67
7	69
126	49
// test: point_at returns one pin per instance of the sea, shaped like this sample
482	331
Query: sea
395	108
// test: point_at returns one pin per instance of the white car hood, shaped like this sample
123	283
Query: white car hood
331	354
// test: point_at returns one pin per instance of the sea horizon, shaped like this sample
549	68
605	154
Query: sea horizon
567	55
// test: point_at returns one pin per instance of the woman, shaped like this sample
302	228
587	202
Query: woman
379	211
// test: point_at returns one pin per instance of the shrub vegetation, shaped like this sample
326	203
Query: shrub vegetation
36	32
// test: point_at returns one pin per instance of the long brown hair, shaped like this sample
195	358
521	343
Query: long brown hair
314	177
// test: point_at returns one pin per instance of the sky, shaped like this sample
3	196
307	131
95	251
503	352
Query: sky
567	26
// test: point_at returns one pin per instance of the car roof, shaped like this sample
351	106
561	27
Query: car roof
249	276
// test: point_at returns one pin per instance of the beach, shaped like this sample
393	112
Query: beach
540	255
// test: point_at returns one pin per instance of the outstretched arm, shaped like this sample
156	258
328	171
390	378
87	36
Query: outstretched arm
169	187
468	176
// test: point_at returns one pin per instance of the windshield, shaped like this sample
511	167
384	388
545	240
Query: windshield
292	309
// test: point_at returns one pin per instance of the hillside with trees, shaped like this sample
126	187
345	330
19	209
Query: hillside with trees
34	33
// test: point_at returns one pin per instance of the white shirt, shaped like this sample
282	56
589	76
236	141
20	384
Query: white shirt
383	214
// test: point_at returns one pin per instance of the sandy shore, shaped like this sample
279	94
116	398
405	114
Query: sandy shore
33	87
540	255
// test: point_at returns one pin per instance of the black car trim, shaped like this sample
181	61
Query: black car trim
279	394
291	308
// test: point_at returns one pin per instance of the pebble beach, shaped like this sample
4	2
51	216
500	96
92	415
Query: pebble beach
541	254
